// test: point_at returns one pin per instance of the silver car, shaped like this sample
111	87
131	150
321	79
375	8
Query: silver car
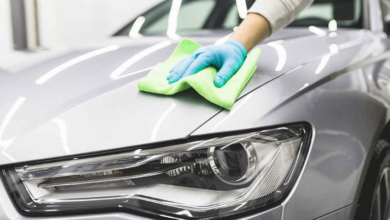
308	138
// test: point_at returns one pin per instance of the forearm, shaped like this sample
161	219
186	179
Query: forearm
254	29
265	18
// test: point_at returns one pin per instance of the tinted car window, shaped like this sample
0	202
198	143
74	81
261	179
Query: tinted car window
192	16
197	15
347	13
232	18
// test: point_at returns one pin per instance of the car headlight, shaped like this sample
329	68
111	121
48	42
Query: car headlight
205	177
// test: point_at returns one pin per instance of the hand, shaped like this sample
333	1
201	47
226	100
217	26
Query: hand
227	58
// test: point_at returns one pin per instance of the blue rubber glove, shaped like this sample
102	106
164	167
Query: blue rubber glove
227	58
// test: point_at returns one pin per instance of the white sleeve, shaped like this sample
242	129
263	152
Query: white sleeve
279	13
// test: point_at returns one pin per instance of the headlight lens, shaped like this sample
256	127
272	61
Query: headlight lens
199	179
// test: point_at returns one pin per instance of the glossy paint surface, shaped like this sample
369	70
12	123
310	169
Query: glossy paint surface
346	116
342	214
87	100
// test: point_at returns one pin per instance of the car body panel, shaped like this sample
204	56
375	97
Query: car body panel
339	148
341	214
280	92
81	115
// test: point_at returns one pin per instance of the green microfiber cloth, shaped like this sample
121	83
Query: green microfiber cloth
203	81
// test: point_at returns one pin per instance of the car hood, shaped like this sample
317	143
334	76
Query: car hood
87	100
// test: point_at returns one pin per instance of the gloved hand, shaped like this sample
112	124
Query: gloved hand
227	58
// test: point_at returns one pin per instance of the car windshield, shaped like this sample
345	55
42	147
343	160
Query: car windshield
191	16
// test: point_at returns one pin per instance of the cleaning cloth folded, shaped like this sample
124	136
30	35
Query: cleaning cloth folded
203	81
